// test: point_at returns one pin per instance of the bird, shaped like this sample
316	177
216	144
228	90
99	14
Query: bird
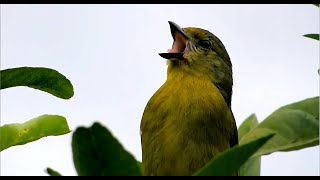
188	121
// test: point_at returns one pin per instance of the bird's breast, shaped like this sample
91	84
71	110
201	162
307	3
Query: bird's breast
192	107
184	124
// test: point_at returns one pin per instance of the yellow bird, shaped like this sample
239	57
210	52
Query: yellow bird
189	121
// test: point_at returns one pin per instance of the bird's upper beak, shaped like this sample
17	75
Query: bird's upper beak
179	45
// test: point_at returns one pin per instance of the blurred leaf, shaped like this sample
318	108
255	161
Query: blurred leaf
52	172
296	126
229	162
96	152
44	79
252	166
316	5
312	36
247	125
309	105
140	166
34	129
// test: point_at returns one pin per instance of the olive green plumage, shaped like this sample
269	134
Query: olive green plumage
188	120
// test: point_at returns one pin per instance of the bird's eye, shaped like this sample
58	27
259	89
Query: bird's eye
205	43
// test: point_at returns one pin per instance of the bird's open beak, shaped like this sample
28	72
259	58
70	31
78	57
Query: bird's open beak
179	45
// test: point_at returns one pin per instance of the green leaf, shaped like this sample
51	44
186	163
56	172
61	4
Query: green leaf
247	125
34	129
228	162
252	166
309	105
316	5
296	126
141	166
312	36
96	152
52	172
44	79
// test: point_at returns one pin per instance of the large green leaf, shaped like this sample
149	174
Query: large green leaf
34	129
52	172
312	36
252	166
230	161
96	152
44	79
296	126
309	105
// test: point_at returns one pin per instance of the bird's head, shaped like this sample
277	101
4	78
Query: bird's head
200	53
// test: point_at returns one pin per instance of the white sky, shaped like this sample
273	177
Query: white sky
110	54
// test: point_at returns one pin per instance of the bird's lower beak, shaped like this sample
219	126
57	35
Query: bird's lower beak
179	45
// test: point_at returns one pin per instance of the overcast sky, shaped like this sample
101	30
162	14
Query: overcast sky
110	54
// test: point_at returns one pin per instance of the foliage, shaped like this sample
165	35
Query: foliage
96	152
44	79
34	129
